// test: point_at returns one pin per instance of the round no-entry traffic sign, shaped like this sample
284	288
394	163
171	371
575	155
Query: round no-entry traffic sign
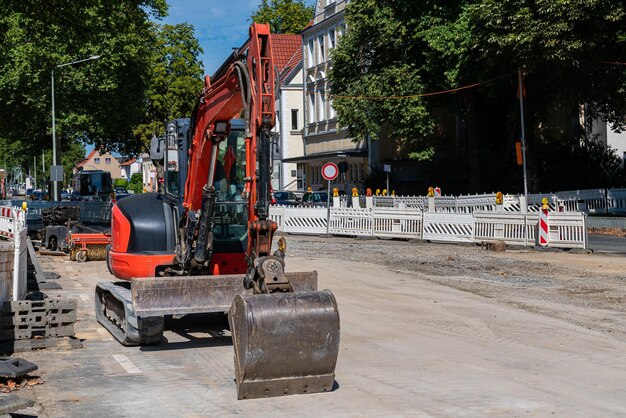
330	171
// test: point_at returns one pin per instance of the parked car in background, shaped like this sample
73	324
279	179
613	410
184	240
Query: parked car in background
315	199
120	193
286	198
65	195
36	195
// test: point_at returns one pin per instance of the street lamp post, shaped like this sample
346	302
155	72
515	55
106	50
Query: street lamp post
56	195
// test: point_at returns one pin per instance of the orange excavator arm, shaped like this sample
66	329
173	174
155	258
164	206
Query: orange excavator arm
247	86
244	84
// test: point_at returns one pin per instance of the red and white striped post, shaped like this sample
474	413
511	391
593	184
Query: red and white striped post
543	223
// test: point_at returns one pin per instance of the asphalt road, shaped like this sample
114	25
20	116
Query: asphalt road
607	243
409	347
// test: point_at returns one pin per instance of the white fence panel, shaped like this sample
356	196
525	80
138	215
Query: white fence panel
350	221
7	226
616	200
12	220
590	201
448	227
397	223
305	220
6	270
445	204
567	230
534	201
471	203
20	265
507	227
276	214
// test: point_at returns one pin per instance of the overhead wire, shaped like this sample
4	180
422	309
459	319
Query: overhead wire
412	96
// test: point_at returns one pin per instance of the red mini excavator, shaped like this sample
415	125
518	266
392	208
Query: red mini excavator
205	243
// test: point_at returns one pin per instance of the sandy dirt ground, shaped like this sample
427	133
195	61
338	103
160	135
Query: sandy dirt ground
426	330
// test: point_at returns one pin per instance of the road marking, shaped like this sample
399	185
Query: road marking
126	364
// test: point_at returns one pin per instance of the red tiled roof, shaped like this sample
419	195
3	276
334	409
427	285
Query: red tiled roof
129	162
293	62
283	48
89	157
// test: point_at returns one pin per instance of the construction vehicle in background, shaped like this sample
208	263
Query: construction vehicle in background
205	243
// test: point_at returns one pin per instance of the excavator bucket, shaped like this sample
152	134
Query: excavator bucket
285	343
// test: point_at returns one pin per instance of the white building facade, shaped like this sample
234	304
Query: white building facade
289	125
324	140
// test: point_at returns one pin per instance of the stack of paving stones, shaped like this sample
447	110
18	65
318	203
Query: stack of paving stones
35	324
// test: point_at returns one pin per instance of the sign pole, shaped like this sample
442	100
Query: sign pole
329	172
328	210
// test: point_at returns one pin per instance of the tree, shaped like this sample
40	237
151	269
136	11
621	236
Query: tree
175	79
284	16
408	48
102	100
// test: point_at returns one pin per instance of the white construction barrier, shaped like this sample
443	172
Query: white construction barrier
301	220
8	225
350	221
20	265
448	227
566	230
397	223
616	200
6	271
588	201
508	227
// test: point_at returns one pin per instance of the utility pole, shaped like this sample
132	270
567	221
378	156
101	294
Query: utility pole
523	138
523	141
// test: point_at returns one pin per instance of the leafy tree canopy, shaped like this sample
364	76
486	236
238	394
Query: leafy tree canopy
284	16
407	48
147	73
175	79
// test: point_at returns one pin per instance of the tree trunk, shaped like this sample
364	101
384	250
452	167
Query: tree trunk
471	105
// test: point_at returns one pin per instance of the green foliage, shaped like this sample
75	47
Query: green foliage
284	16
120	183
136	183
73	153
408	48
102	99
147	73
175	79
595	164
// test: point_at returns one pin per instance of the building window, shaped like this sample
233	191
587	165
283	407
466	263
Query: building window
331	110
311	95
321	112
311	54
331	39
320	42
294	119
300	170
96	160
107	160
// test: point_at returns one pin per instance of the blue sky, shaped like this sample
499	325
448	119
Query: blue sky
219	25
